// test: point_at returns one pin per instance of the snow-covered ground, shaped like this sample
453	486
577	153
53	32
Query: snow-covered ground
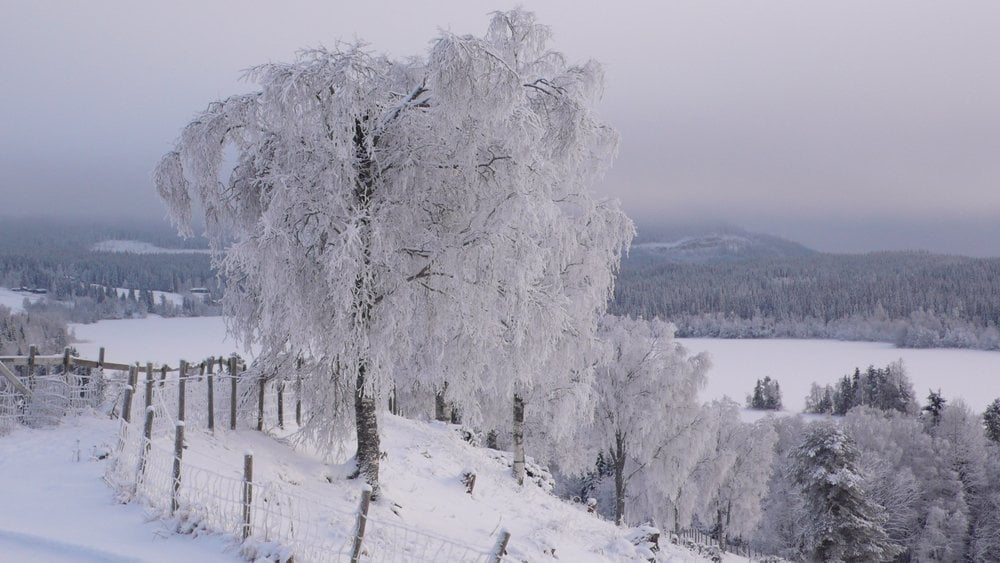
59	509
56	509
140	247
973	375
14	300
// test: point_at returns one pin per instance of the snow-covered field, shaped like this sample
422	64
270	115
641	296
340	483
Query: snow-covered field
14	300
155	339
973	375
140	247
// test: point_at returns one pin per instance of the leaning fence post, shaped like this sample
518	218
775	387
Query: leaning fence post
232	393
211	394
366	499
260	404
247	492
501	548
178	454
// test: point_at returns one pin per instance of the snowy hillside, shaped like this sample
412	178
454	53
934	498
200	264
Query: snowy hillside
717	247
62	511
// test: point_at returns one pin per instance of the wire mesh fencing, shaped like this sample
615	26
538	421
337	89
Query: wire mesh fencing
266	516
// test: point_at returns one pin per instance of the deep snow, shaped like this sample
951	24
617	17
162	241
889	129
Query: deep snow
57	509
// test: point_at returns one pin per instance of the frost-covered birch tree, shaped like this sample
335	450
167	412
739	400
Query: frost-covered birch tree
646	388
409	222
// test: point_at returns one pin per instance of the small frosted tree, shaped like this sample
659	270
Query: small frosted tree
733	479
991	420
409	223
646	388
844	523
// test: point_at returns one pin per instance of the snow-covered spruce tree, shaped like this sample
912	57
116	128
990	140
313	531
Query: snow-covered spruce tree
644	384
991	420
409	222
844	523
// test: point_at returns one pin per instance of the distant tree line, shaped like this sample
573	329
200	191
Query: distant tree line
55	255
910	298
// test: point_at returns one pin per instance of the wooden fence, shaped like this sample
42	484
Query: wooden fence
145	469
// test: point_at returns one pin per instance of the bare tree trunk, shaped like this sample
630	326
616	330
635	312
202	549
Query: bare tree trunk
365	409
366	420
441	413
619	464
519	439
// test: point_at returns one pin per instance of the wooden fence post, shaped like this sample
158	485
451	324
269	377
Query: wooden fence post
100	358
32	352
211	394
147	428
359	536
247	493
163	375
66	375
181	388
232	393
133	372
260	404
178	455
501	548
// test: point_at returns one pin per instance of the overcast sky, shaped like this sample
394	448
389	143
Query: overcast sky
846	125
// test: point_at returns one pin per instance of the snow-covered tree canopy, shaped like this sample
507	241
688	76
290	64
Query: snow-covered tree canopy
412	221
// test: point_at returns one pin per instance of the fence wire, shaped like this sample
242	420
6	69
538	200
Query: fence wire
278	524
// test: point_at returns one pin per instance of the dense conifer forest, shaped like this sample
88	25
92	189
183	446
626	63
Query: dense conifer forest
914	299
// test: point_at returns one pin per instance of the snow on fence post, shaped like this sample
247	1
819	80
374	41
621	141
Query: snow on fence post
519	439
211	393
359	536
232	392
247	497
501	548
260	403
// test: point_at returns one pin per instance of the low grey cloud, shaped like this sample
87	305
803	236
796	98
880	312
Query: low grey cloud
848	124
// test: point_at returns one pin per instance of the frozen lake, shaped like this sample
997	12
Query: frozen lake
973	375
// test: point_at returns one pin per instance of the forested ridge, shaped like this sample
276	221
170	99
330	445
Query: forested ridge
911	298
55	254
